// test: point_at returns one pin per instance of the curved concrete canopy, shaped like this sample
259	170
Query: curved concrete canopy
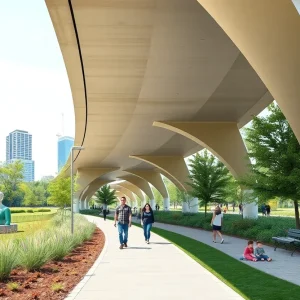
133	188
124	191
130	64
268	34
215	137
140	183
152	177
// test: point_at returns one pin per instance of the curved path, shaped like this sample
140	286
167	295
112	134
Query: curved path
155	271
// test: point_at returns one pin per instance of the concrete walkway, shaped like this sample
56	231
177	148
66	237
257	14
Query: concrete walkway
155	271
283	266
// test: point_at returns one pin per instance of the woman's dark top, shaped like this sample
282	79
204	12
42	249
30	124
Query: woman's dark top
147	217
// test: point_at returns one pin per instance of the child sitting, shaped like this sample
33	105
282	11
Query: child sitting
260	252
248	252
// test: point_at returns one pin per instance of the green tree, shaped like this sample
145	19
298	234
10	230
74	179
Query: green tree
209	179
275	153
60	191
106	196
11	177
35	193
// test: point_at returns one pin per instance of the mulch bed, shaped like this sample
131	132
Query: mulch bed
66	274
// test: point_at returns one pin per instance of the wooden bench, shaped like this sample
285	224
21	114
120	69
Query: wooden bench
292	238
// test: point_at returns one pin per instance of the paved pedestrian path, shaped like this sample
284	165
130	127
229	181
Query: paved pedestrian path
156	271
283	266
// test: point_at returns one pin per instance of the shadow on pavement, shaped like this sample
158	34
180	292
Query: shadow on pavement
147	248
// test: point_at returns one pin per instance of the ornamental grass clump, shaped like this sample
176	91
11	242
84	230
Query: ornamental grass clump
62	243
8	258
34	251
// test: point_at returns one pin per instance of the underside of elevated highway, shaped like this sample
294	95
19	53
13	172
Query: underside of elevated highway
156	81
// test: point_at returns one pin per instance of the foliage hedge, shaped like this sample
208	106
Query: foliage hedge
264	228
19	211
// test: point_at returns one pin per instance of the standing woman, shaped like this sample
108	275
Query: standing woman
216	222
147	220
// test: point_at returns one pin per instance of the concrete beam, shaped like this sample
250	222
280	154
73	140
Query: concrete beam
152	177
173	167
140	183
267	33
223	139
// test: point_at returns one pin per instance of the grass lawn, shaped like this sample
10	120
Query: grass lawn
25	229
284	212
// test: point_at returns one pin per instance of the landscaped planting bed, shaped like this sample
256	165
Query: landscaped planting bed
261	229
49	263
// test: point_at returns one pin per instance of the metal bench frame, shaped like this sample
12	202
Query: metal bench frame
292	238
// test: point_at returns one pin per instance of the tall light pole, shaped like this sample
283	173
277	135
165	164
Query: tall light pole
72	204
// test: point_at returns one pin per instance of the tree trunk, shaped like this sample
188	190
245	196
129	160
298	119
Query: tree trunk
205	209
296	206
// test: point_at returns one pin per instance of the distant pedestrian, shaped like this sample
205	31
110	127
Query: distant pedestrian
123	215
233	207
147	220
263	210
216	222
240	209
268	209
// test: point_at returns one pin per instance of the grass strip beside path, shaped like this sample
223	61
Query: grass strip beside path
250	283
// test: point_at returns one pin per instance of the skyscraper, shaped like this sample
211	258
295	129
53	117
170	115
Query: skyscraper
64	145
19	147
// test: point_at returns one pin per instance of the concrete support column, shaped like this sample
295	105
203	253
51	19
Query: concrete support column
166	204
75	204
86	203
190	206
250	210
152	203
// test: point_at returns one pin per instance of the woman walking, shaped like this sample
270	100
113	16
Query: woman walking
147	220
216	223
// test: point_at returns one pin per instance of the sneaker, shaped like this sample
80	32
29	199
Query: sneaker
222	241
148	242
214	241
121	246
125	245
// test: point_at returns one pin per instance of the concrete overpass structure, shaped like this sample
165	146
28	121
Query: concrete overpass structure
155	81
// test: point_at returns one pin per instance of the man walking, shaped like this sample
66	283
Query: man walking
123	215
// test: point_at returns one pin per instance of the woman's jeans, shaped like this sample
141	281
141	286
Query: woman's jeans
147	229
123	233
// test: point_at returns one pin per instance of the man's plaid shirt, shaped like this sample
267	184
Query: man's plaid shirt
123	213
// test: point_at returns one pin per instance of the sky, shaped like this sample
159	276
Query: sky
34	87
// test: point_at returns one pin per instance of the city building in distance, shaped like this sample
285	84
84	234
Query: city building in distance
19	147
64	146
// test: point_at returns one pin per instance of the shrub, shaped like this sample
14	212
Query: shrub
264	228
30	211
13	286
57	287
43	210
17	211
8	258
91	212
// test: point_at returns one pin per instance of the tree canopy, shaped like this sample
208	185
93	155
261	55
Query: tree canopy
106	196
275	152
11	177
209	179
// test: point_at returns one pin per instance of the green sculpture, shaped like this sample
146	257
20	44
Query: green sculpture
5	216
